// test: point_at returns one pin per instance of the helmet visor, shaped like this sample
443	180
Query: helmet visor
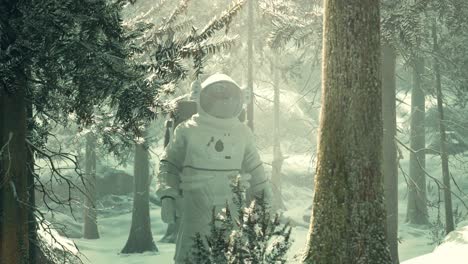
221	100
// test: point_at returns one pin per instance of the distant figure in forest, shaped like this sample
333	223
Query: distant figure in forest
203	159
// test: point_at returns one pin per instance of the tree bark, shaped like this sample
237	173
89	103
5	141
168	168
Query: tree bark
90	227
14	199
348	222
3	139
250	106
140	238
33	247
449	224
390	159
417	200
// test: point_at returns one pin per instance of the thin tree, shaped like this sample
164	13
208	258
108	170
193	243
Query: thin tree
417	200
449	224
348	223
90	227
140	238
250	58
390	158
278	158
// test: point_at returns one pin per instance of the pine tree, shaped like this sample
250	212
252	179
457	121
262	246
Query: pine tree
390	158
66	58
140	238
243	235
348	219
90	227
50	50
250	61
449	223
417	198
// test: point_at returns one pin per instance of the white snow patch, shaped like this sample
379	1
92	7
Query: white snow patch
453	250
53	239
114	232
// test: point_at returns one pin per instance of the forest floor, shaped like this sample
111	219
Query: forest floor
415	242
114	232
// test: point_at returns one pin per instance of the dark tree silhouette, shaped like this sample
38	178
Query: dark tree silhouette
140	238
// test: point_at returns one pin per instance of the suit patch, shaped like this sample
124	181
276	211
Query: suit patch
219	145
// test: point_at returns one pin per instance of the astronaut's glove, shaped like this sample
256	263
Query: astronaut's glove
168	209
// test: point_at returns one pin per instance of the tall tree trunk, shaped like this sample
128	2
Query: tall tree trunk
3	140
2	169
417	200
390	162
348	222
278	159
449	224
14	224
250	58
140	238
33	248
90	228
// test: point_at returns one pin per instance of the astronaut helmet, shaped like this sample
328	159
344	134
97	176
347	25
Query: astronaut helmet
221	97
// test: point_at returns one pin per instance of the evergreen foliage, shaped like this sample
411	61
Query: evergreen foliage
77	56
457	130
407	26
403	26
245	235
159	49
73	57
292	22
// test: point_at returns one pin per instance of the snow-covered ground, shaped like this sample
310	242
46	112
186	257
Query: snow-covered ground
454	249
415	247
114	232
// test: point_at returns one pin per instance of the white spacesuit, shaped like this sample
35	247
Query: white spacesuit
205	154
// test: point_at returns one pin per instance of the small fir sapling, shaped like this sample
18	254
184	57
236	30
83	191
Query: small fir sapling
245	235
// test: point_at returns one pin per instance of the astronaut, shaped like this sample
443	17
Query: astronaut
203	157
